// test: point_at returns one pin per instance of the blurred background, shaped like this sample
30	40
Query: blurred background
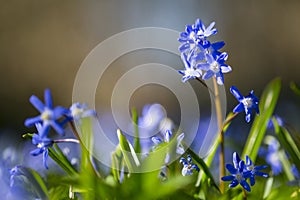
43	43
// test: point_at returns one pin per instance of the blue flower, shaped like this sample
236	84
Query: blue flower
167	138
272	157
238	173
13	173
42	143
195	36
246	103
48	116
78	111
255	170
215	66
191	71
188	166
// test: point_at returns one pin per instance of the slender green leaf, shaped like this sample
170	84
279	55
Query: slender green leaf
268	187
136	143
204	167
295	88
64	165
267	105
288	143
128	152
213	151
116	165
33	181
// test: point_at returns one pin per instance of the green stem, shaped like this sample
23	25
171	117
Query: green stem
220	126
244	194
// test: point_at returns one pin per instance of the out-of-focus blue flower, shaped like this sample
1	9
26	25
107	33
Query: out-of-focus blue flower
149	122
272	157
42	143
255	170
295	171
238	173
79	111
167	137
48	116
215	66
14	172
279	121
246	103
188	166
191	71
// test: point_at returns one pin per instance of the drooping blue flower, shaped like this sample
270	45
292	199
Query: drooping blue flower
255	170
78	111
48	116
42	143
188	166
238	172
246	103
215	66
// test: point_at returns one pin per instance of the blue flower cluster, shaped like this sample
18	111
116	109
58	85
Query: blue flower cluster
188	166
241	171
55	117
200	56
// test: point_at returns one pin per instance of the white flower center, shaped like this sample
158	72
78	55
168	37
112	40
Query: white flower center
76	111
192	35
40	145
247	102
239	177
47	115
215	67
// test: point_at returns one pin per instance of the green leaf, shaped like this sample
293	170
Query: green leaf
268	187
32	181
288	143
116	163
128	152
136	143
295	88
204	167
267	105
202	177
61	162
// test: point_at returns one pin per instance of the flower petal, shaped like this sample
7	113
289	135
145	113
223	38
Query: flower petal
31	121
36	102
239	108
236	93
48	98
245	185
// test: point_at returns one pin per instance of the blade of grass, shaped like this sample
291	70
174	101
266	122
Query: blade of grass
128	152
287	142
204	167
136	143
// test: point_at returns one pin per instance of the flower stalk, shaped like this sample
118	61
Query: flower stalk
220	127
